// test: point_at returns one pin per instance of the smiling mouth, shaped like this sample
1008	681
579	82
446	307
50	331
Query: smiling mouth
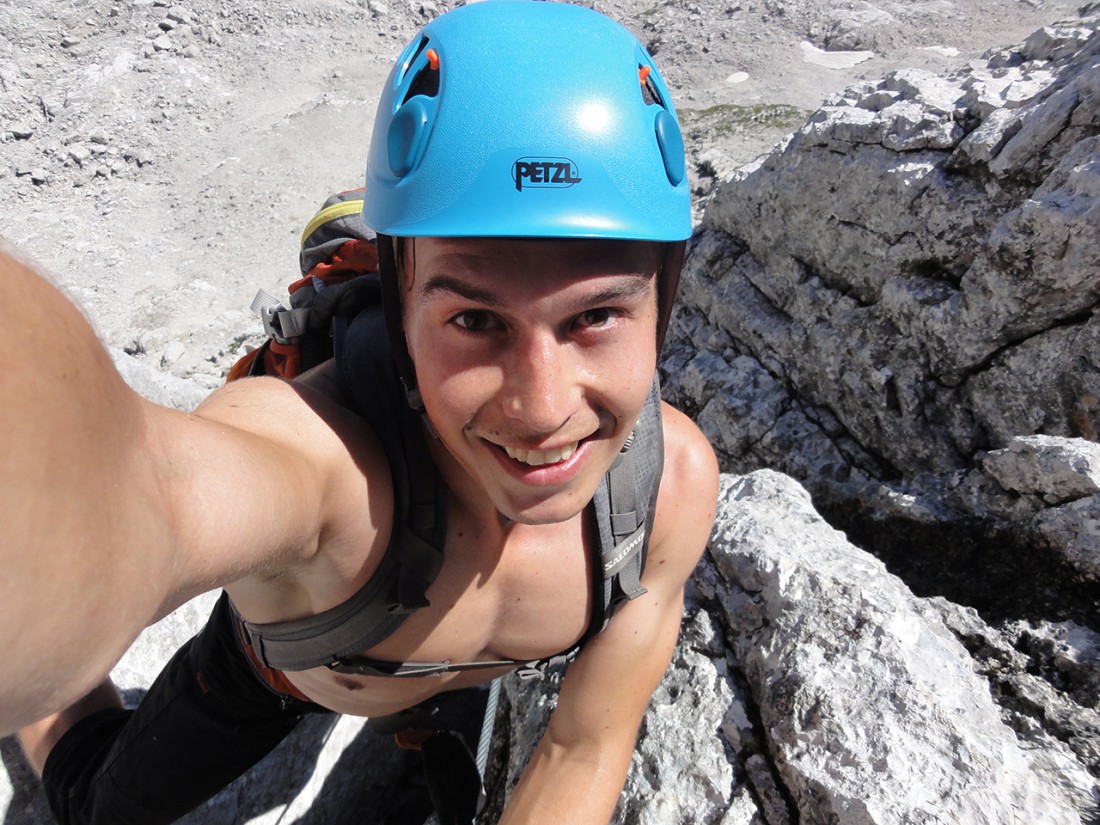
539	458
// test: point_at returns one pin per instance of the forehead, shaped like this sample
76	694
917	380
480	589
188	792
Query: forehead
502	262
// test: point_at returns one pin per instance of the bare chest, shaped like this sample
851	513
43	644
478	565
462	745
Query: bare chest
522	595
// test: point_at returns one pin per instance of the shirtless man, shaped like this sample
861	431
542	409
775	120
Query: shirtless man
536	201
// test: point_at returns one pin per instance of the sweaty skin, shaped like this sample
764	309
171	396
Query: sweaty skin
534	359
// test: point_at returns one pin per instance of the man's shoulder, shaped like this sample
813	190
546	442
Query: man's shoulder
688	454
302	423
308	412
272	409
689	489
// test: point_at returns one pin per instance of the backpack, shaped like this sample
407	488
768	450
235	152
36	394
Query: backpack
335	256
336	312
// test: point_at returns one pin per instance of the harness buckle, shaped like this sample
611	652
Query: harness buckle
280	323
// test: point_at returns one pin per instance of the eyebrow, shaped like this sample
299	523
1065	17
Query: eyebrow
626	288
449	284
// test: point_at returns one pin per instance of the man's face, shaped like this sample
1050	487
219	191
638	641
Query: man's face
534	359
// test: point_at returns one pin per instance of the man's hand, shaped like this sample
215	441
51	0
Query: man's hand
577	772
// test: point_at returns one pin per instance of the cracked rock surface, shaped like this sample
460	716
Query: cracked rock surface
898	308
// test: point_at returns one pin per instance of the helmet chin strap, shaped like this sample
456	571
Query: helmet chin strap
668	279
391	308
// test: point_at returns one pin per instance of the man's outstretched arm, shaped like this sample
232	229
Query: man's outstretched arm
577	771
114	510
70	591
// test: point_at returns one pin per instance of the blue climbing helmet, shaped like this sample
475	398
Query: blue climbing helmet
525	118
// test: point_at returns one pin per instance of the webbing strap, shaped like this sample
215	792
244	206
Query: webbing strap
623	523
621	481
364	620
280	323
525	669
624	519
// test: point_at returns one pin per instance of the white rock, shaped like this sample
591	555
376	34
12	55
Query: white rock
872	707
156	385
832	60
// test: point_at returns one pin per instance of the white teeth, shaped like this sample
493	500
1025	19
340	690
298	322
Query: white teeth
536	458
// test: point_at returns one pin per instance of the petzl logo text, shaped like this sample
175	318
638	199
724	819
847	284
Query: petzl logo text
542	173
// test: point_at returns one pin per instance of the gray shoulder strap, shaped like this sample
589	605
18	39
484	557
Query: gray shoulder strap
364	620
624	508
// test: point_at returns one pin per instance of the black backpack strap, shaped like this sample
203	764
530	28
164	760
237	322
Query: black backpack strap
373	390
342	300
414	556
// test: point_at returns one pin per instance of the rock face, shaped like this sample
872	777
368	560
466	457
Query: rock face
909	284
914	273
891	300
897	307
834	694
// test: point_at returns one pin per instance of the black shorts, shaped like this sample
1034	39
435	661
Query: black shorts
206	720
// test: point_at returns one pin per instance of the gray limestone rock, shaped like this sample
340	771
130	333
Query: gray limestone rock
872	710
1056	469
1074	530
897	306
902	260
853	25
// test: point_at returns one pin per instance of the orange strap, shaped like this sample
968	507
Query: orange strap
413	739
275	679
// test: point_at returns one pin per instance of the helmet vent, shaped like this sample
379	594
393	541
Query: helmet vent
650	94
425	83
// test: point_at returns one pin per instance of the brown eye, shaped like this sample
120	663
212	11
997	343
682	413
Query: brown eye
600	317
474	320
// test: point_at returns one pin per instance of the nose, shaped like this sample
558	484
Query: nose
540	389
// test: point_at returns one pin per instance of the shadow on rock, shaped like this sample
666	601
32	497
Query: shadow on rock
1002	572
372	781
